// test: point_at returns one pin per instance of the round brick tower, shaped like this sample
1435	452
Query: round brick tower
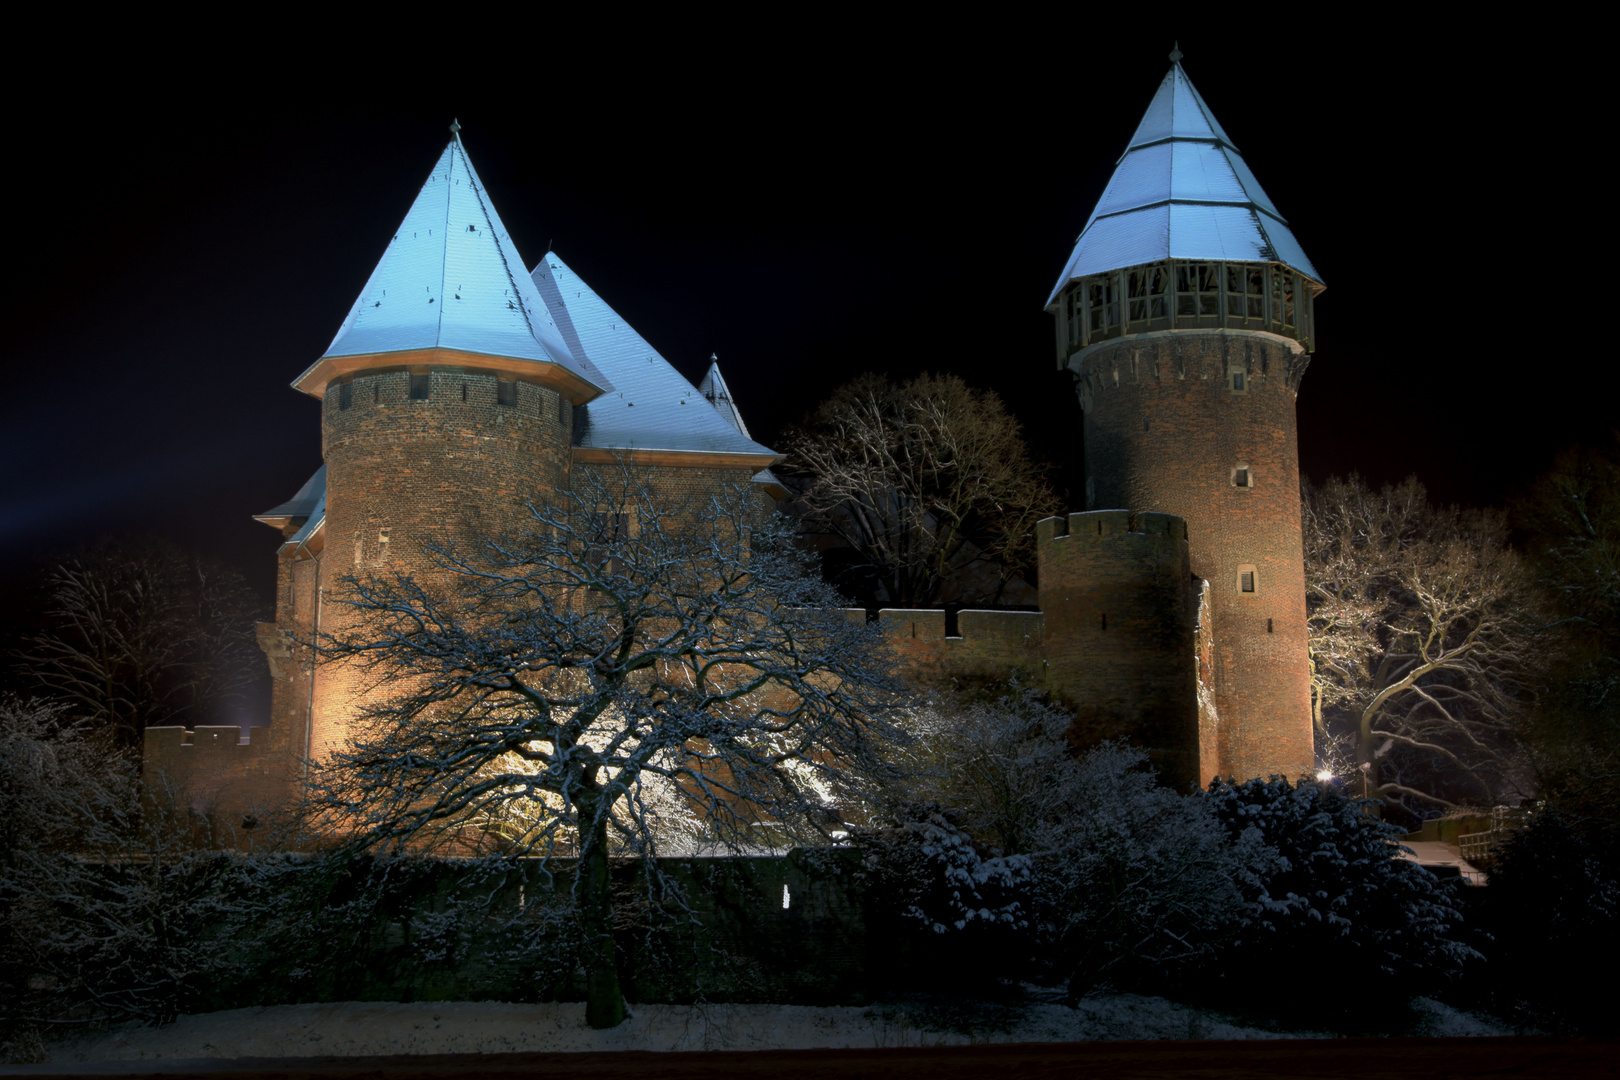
1185	316
446	404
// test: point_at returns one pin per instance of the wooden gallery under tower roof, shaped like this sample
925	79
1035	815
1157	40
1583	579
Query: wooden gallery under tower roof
1185	315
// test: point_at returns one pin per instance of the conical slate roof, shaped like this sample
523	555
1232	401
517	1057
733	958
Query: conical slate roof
451	278
651	406
1181	191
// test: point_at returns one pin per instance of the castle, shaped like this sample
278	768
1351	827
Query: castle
1172	611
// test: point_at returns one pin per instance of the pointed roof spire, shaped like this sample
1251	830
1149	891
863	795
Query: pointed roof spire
1181	190
1175	53
452	279
715	389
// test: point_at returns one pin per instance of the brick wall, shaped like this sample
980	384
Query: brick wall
1164	430
405	473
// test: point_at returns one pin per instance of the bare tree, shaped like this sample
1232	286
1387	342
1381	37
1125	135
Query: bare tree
139	634
926	481
1420	634
600	683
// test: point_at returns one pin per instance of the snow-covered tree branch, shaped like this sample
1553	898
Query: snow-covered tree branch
1421	623
626	675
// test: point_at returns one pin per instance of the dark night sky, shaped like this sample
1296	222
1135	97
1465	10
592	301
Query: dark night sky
192	243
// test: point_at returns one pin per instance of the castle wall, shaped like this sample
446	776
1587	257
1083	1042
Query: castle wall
990	646
218	776
1166	430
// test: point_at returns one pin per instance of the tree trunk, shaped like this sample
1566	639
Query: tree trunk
604	1001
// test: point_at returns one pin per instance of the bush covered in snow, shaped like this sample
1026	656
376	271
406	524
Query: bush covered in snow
1122	881
1329	892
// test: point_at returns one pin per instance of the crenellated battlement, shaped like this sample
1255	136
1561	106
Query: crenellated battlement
1205	356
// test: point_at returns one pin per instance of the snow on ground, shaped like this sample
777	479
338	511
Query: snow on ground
382	1028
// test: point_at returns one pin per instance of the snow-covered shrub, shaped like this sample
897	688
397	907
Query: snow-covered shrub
1135	881
1329	891
1127	880
934	874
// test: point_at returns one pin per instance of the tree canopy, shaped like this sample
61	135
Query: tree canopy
929	484
1421	621
139	634
641	678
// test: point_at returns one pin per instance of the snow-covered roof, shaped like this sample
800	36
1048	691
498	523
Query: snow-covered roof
451	278
301	505
1181	190
651	406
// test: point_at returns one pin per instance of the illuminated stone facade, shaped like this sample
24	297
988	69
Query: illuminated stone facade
1172	612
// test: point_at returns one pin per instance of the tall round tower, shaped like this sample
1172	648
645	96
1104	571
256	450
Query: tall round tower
446	404
1185	315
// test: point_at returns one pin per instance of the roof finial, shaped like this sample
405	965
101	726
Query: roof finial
714	358
455	127
1175	53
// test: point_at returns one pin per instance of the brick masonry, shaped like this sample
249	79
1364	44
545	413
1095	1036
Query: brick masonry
1166	429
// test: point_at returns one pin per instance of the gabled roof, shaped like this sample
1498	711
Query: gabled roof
451	278
1181	190
651	406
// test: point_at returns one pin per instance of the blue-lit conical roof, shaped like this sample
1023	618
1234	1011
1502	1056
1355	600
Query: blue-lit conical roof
651	406
451	278
1181	191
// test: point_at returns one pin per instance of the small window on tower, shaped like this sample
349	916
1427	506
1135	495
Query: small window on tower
1242	476
1237	380
562	409
420	385
345	395
1248	580
506	391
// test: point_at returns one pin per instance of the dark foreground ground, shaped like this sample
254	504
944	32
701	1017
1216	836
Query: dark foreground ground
1383	1059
